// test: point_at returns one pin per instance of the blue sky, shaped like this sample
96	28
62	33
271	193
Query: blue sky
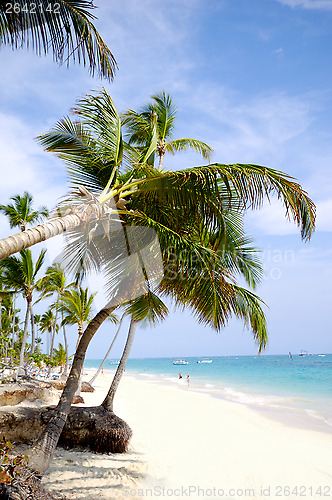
254	80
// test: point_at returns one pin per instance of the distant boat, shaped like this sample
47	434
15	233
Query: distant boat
290	355
205	360
321	355
114	362
180	362
303	353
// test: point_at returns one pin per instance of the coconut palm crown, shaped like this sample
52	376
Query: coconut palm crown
157	120
21	212
196	212
191	209
76	306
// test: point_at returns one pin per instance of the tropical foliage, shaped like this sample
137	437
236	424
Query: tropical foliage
197	214
63	27
154	124
21	213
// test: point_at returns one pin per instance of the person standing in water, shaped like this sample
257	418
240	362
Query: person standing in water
188	379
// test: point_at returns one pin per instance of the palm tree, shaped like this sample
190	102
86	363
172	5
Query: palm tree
94	150
148	307
37	318
63	27
20	212
20	273
114	320
48	324
76	307
172	203
157	120
54	281
60	356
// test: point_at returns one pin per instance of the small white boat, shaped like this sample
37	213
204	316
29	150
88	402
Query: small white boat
180	362
205	360
114	362
303	353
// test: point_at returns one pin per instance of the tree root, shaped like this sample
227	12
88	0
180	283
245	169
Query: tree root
93	428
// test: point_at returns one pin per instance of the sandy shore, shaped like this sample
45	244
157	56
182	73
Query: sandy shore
189	444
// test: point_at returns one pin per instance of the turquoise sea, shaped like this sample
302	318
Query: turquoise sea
302	384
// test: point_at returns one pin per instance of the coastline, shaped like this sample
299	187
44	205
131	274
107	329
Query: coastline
185	438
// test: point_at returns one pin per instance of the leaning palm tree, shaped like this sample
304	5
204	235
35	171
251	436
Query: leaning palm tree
157	119
207	286
94	149
20	212
148	308
21	274
62	27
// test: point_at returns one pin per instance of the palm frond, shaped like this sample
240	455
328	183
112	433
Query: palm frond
202	189
148	309
166	113
185	144
247	306
63	27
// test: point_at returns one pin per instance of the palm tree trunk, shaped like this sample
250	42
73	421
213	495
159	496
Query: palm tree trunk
13	329
20	370
30	237
161	161
108	351
32	329
41	453
108	401
66	347
52	339
0	314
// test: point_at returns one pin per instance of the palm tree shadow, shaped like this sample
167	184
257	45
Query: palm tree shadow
82	474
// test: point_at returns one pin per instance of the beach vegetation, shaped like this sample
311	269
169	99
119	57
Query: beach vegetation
55	282
21	273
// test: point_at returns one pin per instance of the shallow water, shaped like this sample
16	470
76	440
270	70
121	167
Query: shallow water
303	383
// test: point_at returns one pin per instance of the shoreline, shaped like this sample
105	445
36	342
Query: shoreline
268	405
185	437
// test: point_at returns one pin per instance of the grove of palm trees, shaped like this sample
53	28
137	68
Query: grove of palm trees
161	238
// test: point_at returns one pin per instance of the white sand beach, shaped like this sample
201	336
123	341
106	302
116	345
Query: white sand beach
190	444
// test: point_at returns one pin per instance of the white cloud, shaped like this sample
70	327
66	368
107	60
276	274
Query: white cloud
270	220
253	129
25	167
309	4
324	215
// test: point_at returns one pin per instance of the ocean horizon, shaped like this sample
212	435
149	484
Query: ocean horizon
300	384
